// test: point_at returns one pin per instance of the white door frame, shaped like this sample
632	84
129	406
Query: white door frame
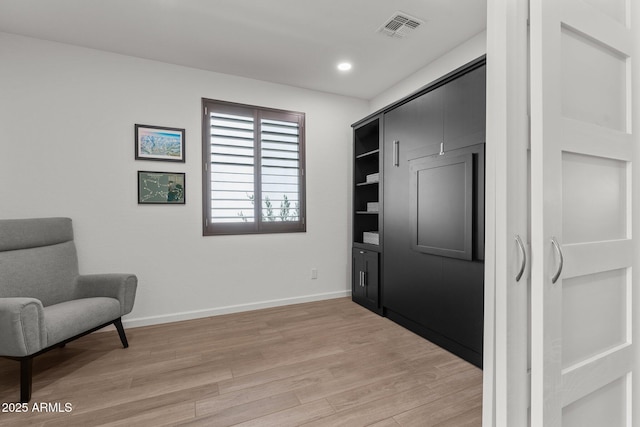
506	384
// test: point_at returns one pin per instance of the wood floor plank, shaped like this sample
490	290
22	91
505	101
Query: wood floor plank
354	379
375	411
389	422
295	356
444	409
377	389
470	418
327	363
247	411
279	372
158	414
292	417
238	397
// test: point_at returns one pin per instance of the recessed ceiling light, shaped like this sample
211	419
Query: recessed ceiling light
344	66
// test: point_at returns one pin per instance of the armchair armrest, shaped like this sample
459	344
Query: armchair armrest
119	286
22	329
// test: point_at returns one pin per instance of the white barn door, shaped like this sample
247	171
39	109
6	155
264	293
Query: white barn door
581	230
507	280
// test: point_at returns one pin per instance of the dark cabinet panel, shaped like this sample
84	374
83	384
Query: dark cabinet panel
413	129
460	314
415	125
441	204
465	110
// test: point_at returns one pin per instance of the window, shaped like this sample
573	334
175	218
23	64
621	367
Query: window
253	169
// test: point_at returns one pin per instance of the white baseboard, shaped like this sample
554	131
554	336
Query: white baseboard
197	314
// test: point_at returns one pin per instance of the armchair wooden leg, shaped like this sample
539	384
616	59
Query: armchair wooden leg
26	373
118	324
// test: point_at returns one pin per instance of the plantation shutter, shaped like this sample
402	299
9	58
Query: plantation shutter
280	159
253	172
232	168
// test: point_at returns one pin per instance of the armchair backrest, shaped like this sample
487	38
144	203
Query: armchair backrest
38	259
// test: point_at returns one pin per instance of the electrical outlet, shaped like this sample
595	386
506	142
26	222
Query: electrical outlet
314	273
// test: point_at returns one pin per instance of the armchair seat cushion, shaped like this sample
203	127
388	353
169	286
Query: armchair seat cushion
70	318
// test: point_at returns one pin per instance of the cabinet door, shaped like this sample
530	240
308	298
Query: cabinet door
441	205
365	279
583	201
411	130
465	110
416	125
370	279
357	293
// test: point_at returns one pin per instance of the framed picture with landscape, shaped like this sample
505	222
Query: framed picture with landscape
159	143
161	188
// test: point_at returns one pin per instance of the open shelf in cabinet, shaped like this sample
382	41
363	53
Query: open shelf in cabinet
366	181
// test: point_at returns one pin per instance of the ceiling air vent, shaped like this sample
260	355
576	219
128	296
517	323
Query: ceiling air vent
400	25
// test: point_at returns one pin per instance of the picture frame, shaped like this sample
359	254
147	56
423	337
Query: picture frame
161	188
159	143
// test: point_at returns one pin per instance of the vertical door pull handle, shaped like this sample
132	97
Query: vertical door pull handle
523	254
556	246
364	279
396	153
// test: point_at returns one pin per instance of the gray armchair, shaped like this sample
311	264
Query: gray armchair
44	302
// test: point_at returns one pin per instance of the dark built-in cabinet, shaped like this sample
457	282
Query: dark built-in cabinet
367	213
366	282
429	154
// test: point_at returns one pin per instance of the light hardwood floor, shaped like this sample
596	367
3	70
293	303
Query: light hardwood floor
329	363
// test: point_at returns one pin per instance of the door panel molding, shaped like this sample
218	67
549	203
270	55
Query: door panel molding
588	376
586	138
582	259
594	24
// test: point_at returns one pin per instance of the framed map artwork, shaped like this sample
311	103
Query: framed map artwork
159	143
161	188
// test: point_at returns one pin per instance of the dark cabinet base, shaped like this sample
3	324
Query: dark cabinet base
365	283
368	305
454	347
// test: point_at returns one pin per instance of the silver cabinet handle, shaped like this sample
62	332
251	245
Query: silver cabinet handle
364	279
523	262
361	278
396	153
556	246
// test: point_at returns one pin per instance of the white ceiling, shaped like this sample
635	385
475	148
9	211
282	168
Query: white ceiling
294	42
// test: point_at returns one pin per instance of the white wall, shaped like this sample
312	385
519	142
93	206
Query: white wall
457	57
67	118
